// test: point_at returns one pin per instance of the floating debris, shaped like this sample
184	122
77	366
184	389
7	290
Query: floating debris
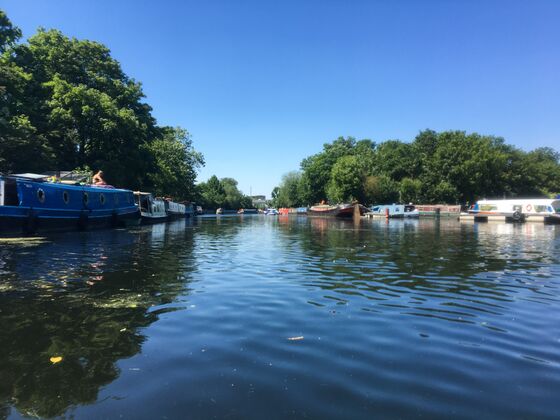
299	337
56	359
24	241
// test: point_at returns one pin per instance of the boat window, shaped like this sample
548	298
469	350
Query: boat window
488	207
10	193
540	208
102	199
85	198
41	195
65	197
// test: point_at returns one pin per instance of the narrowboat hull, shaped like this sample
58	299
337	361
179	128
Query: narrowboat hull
29	206
150	219
31	221
340	210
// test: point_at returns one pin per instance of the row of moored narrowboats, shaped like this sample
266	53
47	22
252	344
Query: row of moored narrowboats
30	203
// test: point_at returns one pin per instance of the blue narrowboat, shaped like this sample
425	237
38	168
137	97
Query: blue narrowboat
30	204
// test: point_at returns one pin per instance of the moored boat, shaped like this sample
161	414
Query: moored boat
521	209
174	210
271	212
30	204
334	210
247	211
394	211
152	209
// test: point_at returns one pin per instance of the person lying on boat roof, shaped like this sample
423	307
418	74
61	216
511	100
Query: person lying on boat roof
99	181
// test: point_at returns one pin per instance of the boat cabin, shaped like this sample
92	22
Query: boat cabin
526	206
149	206
394	210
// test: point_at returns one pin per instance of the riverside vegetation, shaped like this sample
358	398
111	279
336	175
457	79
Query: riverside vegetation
448	167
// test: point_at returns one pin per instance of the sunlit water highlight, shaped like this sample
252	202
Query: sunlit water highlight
266	317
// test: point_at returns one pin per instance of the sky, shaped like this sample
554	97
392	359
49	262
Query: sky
260	85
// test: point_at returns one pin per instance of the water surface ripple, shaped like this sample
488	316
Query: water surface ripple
263	317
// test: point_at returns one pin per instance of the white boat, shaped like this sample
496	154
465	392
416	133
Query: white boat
152	209
271	212
518	209
394	211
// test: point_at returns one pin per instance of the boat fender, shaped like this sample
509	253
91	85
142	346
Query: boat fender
30	225
516	216
529	207
83	220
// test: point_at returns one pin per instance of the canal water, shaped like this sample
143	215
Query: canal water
263	317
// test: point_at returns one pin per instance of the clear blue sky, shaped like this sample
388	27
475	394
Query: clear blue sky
262	84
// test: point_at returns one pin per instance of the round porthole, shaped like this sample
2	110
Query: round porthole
65	197
102	199
41	195
85	198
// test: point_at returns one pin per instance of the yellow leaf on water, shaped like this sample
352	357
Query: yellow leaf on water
56	359
299	337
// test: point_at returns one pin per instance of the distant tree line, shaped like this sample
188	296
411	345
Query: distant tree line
446	167
216	193
66	103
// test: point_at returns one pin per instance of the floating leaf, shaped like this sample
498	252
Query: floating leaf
56	359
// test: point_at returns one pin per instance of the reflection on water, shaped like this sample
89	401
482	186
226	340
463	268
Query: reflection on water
86	298
393	318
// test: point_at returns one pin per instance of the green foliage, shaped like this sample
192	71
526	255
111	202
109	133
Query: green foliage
446	167
346	180
68	103
288	194
380	189
410	190
175	164
216	193
395	159
234	198
9	33
317	168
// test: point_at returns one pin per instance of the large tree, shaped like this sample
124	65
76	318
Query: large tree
69	104
289	193
347	180
176	163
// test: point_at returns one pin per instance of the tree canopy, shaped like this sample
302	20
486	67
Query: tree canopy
445	167
69	104
216	193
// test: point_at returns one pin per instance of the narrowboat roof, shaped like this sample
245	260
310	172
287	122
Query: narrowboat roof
29	175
